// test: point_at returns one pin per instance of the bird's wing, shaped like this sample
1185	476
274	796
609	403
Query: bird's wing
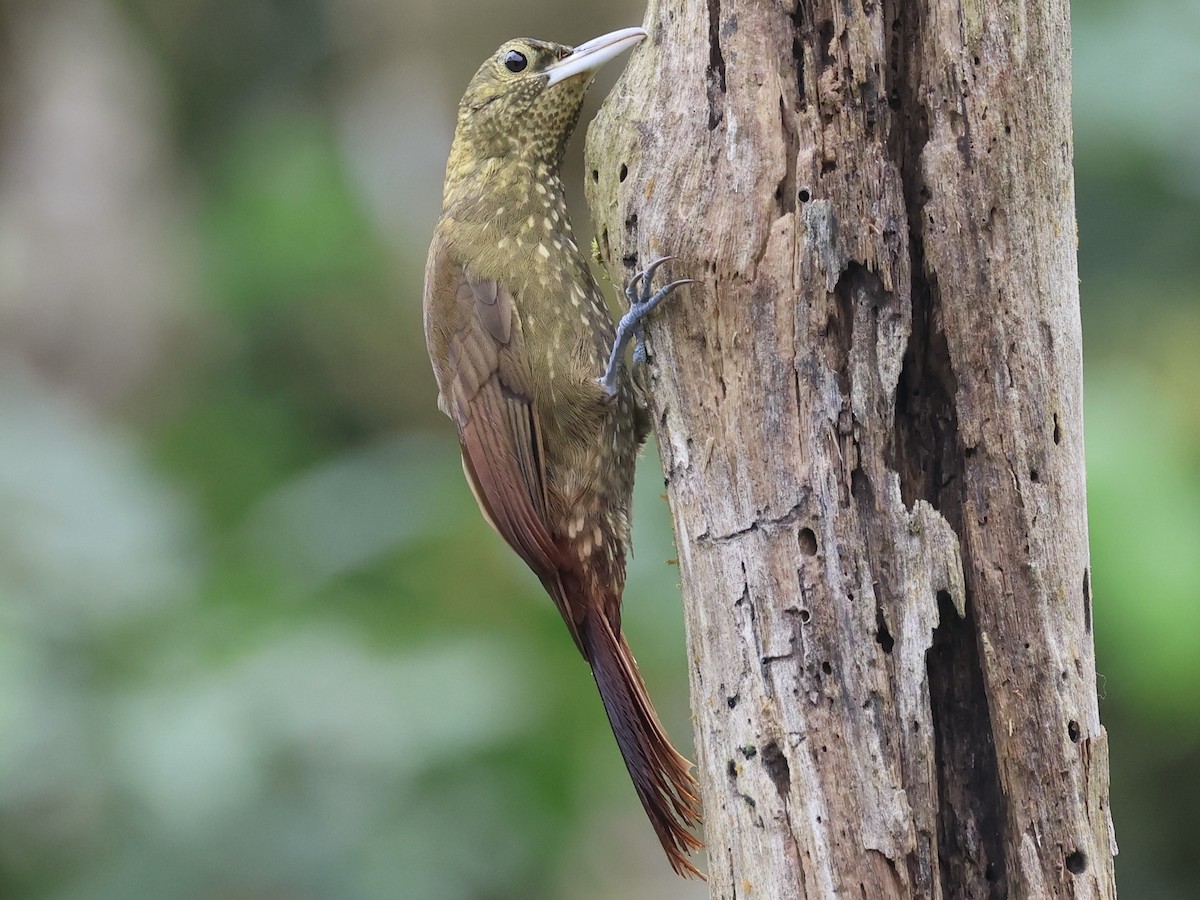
486	388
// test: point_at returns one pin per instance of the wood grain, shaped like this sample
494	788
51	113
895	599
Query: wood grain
869	413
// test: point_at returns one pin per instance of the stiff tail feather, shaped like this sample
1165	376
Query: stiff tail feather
661	776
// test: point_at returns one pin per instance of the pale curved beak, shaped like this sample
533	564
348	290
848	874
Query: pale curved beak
591	56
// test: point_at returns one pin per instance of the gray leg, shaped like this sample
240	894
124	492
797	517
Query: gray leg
641	302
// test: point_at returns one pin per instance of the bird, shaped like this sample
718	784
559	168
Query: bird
530	369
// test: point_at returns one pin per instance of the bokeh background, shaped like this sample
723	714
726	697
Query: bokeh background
255	641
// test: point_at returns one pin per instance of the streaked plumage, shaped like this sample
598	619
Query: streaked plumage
519	335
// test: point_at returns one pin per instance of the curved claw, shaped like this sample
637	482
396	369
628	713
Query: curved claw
641	302
675	284
636	292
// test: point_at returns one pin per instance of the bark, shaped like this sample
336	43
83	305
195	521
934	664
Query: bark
869	415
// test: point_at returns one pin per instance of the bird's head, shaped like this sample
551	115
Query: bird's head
525	99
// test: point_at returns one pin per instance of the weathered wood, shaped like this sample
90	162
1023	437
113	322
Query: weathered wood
869	416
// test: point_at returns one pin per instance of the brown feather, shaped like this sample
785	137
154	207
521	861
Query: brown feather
661	776
497	421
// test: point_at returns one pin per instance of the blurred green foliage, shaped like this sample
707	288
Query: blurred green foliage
255	640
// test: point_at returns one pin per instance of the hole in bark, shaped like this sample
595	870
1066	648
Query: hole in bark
1057	430
883	637
1087	600
826	668
595	175
1033	475
803	195
731	768
860	488
805	616
716	66
808	542
828	166
839	325
1073	731
926	436
989	873
971	804
731	702
624	173
798	53
776	765
1077	862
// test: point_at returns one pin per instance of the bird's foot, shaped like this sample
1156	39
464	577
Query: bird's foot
641	302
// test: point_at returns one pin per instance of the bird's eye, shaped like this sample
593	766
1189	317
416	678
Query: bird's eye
515	62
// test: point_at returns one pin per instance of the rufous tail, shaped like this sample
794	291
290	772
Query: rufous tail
661	776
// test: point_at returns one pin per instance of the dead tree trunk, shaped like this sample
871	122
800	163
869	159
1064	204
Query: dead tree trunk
869	414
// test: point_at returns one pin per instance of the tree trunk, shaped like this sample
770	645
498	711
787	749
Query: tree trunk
869	415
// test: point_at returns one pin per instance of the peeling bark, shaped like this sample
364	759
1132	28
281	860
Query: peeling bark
870	419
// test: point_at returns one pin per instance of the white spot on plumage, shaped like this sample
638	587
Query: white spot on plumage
543	251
